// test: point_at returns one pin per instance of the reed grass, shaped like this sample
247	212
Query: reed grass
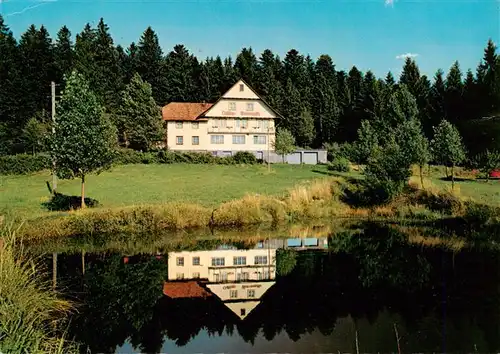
31	313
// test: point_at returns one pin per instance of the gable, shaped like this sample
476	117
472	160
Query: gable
221	109
236	92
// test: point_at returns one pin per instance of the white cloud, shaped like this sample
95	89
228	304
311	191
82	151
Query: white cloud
391	2
406	55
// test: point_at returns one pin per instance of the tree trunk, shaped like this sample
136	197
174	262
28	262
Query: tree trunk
452	177
283	158
54	270
83	262
421	176
83	192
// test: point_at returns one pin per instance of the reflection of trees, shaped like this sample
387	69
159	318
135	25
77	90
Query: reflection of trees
118	301
286	259
373	272
384	257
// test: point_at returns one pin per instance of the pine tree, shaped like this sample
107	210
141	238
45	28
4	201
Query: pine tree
410	76
246	66
389	79
351	119
325	107
84	141
11	89
292	109
453	93
269	83
437	99
63	55
230	76
210	80
470	97
37	70
141	123
85	52
489	80
147	60
182	75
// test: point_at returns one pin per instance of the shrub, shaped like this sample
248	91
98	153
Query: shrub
245	157
339	164
128	156
21	164
336	150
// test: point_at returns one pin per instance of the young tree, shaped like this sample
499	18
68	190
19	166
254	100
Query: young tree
367	142
305	129
34	133
284	143
414	145
140	116
447	146
85	139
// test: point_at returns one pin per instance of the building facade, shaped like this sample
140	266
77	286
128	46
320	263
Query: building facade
239	121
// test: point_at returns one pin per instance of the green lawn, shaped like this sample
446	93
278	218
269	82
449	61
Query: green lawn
208	185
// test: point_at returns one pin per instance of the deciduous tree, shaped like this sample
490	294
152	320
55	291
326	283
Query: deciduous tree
284	143
85	139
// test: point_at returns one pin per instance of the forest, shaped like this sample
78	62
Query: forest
320	103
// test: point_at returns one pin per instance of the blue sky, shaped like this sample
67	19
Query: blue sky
370	34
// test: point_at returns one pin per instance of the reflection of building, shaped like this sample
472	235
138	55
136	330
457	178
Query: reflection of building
238	277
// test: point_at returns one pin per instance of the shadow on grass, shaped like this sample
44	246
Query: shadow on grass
63	202
456	179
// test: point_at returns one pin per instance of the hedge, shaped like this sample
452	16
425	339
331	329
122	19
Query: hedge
22	164
26	164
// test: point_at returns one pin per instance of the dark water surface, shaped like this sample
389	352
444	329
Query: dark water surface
309	295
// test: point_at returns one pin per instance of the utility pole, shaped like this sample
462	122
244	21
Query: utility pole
268	147
53	97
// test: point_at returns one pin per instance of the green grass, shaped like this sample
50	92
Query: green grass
207	185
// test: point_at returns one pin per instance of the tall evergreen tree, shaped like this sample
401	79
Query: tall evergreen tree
292	109
470	97
351	118
182	75
325	107
37	70
147	60
410	76
437	99
10	89
269	86
63	55
453	94
140	116
489	80
210	80
230	75
246	66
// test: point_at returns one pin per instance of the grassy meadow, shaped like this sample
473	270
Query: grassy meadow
155	198
207	185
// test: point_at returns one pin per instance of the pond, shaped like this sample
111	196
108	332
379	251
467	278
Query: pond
368	290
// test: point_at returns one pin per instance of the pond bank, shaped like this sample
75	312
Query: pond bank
325	198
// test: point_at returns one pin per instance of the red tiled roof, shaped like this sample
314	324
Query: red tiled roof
184	111
185	289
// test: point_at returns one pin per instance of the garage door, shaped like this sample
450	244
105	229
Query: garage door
311	158
294	159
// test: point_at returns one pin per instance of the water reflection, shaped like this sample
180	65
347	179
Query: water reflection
292	295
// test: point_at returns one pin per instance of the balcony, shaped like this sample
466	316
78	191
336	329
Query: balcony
239	130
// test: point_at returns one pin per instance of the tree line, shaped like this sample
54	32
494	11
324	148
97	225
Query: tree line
320	103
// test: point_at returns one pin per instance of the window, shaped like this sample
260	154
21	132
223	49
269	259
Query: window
216	278
196	275
195	140
180	276
179	140
242	312
266	274
196	260
238	139
180	261
239	260
259	139
218	261
178	125
223	123
250	293
217	139
263	124
232	106
195	125
241	123
238	276
245	276
260	259
233	294
242	87
224	276
249	106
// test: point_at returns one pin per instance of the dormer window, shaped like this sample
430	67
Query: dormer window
242	87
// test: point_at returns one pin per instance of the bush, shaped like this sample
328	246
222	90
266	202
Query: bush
128	156
339	164
22	164
245	157
336	150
